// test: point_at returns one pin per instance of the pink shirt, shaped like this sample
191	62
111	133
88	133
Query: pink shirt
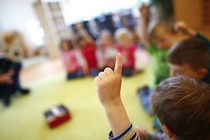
70	61
128	56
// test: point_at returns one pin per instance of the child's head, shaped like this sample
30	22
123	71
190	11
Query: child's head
162	34
66	44
106	37
189	58
8	38
182	106
81	41
123	37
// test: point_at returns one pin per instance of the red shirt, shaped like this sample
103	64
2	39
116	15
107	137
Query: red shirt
128	58
89	53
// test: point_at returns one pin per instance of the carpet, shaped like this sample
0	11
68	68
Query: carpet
24	119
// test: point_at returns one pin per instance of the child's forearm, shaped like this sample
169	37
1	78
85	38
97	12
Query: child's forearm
117	117
191	32
144	12
108	84
144	35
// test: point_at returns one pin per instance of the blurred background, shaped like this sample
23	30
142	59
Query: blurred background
41	24
36	28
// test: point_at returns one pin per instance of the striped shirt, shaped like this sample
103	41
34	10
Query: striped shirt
130	134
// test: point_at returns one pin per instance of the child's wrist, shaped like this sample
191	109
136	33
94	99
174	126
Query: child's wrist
110	106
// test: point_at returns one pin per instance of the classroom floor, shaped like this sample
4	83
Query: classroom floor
24	119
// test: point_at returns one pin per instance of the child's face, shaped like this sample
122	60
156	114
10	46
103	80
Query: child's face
82	43
124	40
65	46
107	39
184	70
163	40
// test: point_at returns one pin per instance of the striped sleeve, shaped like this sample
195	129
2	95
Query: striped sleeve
128	134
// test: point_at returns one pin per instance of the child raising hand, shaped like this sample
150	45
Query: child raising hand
178	95
108	85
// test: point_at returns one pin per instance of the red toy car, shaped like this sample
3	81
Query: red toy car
57	115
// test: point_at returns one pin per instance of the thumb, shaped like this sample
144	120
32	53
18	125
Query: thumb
118	64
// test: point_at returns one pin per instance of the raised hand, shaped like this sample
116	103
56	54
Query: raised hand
142	132
108	84
144	11
181	27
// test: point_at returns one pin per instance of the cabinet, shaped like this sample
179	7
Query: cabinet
52	20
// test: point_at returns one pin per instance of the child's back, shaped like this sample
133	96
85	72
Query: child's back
89	53
127	48
128	55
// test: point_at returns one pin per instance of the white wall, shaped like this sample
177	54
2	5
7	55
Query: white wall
15	14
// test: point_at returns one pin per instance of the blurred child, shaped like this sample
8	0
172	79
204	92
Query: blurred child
190	58
106	51
73	61
194	55
187	47
127	48
14	50
88	49
134	36
159	37
181	105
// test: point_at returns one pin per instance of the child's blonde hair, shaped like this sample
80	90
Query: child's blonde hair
120	32
156	26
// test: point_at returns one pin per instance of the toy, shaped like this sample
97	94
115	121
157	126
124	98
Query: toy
57	115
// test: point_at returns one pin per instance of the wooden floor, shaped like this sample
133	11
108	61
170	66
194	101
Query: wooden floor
44	68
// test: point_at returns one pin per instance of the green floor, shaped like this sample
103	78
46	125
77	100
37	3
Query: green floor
24	119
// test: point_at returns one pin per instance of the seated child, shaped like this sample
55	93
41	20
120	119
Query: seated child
73	60
158	53
13	50
181	105
127	49
106	51
190	58
159	37
88	49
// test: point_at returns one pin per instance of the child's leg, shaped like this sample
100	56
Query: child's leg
16	77
6	92
127	72
71	75
94	72
79	73
144	97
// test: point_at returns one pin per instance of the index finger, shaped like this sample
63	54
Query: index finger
118	64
